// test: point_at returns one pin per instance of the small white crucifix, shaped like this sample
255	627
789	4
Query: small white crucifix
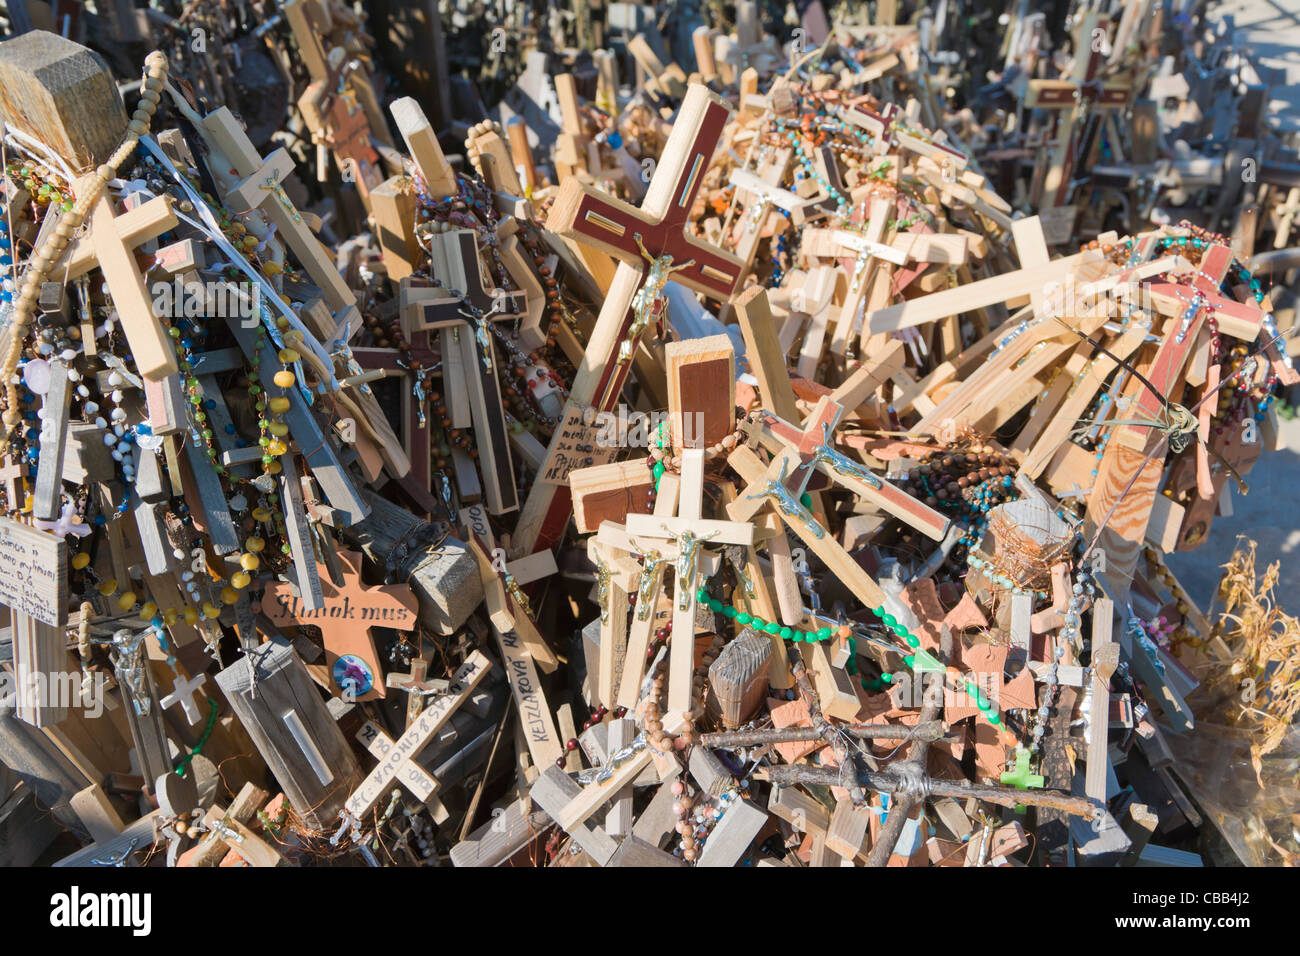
182	693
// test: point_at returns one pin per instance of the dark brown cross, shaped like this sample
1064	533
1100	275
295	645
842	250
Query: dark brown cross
467	311
414	425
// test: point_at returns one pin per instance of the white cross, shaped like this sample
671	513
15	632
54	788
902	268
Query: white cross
766	192
1076	492
866	249
183	693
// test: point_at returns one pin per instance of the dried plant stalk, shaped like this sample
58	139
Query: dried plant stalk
1265	642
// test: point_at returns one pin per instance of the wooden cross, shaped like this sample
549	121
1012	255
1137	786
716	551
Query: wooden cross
748	47
337	121
1177	347
1286	217
616	577
13	476
765	191
647	585
1081	92
416	687
382	363
759	192
520	645
689	530
259	184
345	620
870	251
879	125
814	447
612	226
661	80
109	245
397	761
766	485
826	204
228	835
457	268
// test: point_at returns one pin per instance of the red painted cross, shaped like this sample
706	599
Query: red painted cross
612	226
1181	339
822	420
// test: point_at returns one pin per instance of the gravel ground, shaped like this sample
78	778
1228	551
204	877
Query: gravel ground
1268	515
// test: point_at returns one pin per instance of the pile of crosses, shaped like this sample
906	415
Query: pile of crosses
1131	115
714	401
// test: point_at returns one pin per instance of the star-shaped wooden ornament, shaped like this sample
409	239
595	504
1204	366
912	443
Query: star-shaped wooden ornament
351	667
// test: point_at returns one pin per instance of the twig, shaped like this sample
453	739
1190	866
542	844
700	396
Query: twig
887	839
468	825
893	783
846	776
930	731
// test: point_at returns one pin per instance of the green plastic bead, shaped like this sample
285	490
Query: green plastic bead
823	633
784	633
772	627
743	619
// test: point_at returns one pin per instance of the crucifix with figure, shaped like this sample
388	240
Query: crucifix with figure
701	413
110	245
397	761
653	247
815	447
466	315
756	194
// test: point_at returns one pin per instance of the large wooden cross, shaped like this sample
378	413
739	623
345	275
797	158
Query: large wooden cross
621	230
458	269
701	410
110	245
